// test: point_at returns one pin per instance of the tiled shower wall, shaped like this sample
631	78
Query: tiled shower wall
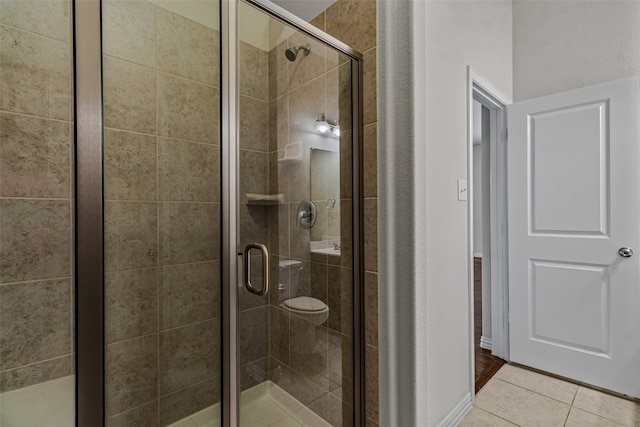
354	23
299	91
162	214
36	193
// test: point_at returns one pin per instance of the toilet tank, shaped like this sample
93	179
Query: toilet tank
289	279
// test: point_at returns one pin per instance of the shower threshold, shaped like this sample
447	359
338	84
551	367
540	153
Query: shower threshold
264	405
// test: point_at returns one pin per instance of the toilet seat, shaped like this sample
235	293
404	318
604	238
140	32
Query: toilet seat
305	305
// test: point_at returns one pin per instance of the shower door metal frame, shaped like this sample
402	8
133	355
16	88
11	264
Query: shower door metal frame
89	214
89	208
230	249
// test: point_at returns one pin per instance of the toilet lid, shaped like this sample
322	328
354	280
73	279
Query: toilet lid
305	304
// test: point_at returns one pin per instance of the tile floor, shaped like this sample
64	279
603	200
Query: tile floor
265	405
519	397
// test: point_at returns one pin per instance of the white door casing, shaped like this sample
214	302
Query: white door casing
574	302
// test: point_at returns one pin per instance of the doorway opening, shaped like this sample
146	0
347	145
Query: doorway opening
488	292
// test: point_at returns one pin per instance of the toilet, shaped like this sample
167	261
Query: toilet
309	312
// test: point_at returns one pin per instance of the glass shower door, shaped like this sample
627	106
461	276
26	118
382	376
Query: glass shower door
37	198
162	212
295	226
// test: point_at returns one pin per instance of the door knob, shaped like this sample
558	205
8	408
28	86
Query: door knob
625	252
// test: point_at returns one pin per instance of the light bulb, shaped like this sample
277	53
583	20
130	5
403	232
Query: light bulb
336	130
322	126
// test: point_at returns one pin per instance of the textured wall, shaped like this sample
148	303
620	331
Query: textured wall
36	193
563	45
460	33
162	214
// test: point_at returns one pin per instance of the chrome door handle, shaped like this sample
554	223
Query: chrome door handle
247	268
625	252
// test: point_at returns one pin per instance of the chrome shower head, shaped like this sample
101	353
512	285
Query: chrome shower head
292	52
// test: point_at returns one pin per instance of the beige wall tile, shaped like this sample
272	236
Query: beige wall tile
371	308
188	171
339	103
254	224
36	322
131	309
189	293
346	165
370	88
254	72
189	355
129	31
142	416
305	104
254	124
188	110
353	22
35	157
131	373
185	402
306	67
187	48
279	334
254	173
371	234
340	295
253	374
370	161
278	71
614	408
341	364
300	387
130	235
35	239
188	232
254	334
36	78
371	383
520	406
36	373
129	96
279	123
50	18
130	163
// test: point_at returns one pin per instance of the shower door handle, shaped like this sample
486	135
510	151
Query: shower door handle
246	259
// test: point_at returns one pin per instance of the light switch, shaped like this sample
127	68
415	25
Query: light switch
462	189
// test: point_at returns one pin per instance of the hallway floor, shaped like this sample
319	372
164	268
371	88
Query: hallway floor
520	397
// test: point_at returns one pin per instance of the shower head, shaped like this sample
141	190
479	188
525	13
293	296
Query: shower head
292	52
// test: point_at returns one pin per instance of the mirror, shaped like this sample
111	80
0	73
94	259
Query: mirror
325	194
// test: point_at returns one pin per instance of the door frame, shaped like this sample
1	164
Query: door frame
481	90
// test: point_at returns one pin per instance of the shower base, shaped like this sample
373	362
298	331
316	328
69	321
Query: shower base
264	405
52	404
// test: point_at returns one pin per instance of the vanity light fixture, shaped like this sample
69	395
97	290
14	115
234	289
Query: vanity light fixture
324	126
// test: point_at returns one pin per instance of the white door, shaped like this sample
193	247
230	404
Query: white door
574	301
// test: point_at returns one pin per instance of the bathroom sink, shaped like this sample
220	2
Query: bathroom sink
326	251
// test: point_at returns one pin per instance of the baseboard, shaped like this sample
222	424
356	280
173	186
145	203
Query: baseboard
477	255
458	412
485	343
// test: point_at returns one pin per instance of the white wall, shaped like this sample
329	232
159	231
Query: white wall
458	33
563	45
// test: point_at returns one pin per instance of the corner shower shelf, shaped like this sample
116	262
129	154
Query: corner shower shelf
292	153
265	199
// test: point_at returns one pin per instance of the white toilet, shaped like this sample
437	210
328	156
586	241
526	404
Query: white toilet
312	310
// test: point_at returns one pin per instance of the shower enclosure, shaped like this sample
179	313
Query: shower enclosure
180	216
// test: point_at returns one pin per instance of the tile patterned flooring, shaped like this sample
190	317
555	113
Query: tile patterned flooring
520	397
